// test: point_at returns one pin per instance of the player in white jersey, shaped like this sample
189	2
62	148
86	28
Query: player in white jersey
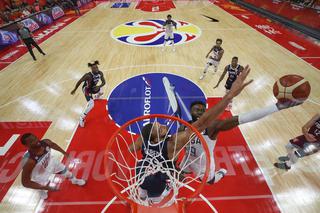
195	159
214	56
39	165
168	25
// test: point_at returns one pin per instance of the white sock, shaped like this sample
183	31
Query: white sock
257	114
206	68
68	175
90	105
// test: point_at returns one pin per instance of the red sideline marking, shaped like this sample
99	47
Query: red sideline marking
155	6
14	52
10	165
294	41
244	189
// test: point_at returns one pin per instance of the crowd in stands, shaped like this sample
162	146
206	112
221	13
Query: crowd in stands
13	10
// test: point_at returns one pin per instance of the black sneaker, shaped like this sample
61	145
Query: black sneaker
282	165
283	158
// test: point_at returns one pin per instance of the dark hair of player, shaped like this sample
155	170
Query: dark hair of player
219	39
196	103
146	131
94	63
235	57
169	16
24	138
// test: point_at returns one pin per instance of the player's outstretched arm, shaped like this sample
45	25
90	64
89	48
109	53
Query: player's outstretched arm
84	78
221	77
254	115
205	120
136	146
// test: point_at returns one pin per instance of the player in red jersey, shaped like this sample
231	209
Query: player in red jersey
303	145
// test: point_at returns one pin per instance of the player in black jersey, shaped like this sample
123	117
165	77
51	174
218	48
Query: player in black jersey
90	87
168	25
214	56
234	69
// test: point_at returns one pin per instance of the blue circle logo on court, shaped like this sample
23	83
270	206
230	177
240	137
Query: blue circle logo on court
150	33
153	93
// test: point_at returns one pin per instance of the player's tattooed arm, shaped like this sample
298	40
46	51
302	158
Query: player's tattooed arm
221	77
137	145
84	78
55	146
306	127
222	125
26	177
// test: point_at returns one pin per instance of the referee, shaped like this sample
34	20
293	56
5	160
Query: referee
26	37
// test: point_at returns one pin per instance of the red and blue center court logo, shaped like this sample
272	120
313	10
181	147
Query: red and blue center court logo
150	33
153	93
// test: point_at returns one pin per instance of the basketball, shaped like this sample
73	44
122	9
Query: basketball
291	87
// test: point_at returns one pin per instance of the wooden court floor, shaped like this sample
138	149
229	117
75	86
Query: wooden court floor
40	91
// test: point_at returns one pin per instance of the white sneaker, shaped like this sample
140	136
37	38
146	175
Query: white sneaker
43	194
201	77
81	122
219	175
79	182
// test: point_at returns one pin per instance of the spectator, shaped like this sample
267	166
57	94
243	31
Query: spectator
75	7
25	12
5	16
26	37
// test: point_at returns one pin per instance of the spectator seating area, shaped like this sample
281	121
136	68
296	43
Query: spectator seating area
12	10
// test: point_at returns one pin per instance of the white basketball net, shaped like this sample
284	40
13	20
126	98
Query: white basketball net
126	178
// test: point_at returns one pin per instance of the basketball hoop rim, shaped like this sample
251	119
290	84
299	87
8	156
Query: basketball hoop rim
108	173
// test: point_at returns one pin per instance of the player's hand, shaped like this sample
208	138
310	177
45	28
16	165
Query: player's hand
310	137
240	83
288	104
216	86
72	92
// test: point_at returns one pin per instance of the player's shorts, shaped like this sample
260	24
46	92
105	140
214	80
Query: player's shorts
43	177
303	147
169	36
88	92
213	62
228	86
